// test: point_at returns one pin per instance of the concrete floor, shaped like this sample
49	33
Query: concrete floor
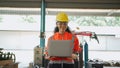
111	67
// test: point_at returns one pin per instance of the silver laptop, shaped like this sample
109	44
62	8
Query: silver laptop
60	48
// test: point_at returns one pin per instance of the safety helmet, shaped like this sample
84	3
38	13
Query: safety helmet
63	17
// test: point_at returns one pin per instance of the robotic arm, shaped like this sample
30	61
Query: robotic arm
92	35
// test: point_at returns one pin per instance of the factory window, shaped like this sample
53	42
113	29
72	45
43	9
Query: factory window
96	20
80	20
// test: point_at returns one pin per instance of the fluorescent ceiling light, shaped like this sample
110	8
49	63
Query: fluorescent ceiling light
53	11
80	10
21	9
65	10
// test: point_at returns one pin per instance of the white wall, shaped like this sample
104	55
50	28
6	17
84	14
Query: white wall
105	55
18	40
20	43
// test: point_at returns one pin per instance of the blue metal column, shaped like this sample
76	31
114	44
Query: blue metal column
42	30
85	54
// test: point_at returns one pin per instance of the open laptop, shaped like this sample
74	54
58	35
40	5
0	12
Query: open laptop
60	48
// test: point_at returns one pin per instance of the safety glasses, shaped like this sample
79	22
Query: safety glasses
62	23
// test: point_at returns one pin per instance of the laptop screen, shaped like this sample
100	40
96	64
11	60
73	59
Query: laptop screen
60	48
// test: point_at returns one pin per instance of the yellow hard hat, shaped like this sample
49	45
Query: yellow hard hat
63	17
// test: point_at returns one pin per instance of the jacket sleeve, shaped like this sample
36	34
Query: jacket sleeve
46	47
76	48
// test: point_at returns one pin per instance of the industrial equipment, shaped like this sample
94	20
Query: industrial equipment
7	59
92	35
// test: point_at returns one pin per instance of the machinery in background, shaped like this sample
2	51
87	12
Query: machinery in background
7	59
37	55
92	35
7	56
109	63
37	58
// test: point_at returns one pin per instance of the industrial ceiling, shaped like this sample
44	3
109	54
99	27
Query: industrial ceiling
112	5
91	4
